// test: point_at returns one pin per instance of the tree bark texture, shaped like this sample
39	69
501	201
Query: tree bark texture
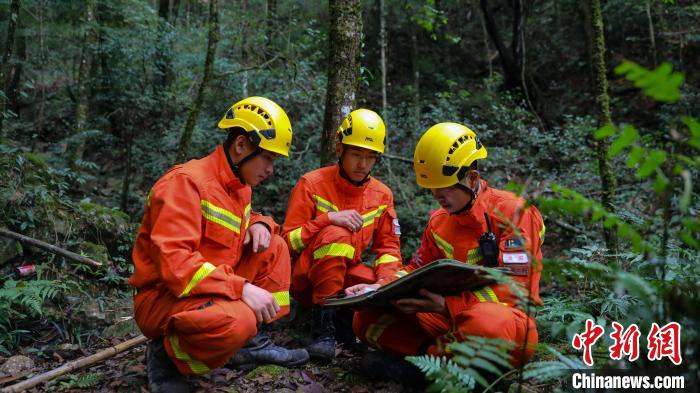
270	27
9	46
244	49
186	137
382	50
415	70
343	70
82	97
607	177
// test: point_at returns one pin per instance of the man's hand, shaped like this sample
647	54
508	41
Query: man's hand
359	289
259	233
430	302
261	302
350	219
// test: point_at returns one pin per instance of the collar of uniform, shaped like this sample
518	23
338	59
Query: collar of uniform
225	172
475	215
345	187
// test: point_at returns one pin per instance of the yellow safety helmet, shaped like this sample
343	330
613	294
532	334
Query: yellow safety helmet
265	122
444	153
363	128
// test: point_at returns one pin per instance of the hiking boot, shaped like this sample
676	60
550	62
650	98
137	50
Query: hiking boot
261	350
322	346
383	366
163	376
343	331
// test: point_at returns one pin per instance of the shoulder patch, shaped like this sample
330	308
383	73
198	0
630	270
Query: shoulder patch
514	244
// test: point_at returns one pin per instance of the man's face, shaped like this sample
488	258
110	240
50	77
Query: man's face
357	161
258	168
453	198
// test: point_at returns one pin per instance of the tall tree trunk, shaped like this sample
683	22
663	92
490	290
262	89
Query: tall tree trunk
163	49
270	27
15	73
244	48
343	70
607	177
126	181
415	71
186	137
40	118
82	94
652	39
382	50
9	46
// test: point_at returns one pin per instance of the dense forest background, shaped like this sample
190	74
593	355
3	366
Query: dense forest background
101	97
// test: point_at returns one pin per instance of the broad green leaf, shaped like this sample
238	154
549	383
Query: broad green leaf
628	136
653	160
662	84
605	131
635	156
694	127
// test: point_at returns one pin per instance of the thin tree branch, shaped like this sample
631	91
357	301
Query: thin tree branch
49	247
75	365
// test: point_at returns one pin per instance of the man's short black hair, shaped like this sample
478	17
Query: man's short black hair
233	133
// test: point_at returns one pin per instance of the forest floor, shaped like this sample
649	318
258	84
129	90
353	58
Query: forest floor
126	372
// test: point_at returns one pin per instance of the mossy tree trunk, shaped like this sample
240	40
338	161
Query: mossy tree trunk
9	46
82	94
343	70
186	136
607	177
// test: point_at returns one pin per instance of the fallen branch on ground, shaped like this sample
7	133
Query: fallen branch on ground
397	158
75	365
49	247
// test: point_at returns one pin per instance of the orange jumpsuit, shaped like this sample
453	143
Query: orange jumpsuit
487	312
329	257
191	264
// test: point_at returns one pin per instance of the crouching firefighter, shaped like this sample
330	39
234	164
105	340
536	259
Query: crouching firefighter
445	161
208	270
334	214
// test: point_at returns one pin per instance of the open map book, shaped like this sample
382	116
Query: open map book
444	276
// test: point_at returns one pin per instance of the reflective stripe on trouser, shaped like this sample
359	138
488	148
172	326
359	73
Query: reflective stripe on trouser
201	333
406	334
322	268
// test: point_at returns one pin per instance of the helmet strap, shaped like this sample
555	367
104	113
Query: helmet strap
473	192
236	167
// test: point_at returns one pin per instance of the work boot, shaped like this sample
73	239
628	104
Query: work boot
322	346
261	350
163	376
383	366
343	331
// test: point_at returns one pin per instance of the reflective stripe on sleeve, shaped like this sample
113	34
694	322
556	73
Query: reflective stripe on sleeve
282	298
368	218
246	213
474	256
295	240
376	329
400	273
386	258
323	205
486	294
542	233
201	273
446	247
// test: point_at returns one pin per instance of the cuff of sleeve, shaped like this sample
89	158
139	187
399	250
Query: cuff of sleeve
269	222
237	283
322	220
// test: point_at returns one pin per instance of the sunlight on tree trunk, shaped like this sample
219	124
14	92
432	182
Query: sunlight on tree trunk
186	137
343	70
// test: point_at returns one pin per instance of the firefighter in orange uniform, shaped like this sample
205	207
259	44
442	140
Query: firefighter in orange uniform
445	161
334	214
208	270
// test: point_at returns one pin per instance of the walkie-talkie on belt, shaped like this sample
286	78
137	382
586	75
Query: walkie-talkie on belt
488	245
